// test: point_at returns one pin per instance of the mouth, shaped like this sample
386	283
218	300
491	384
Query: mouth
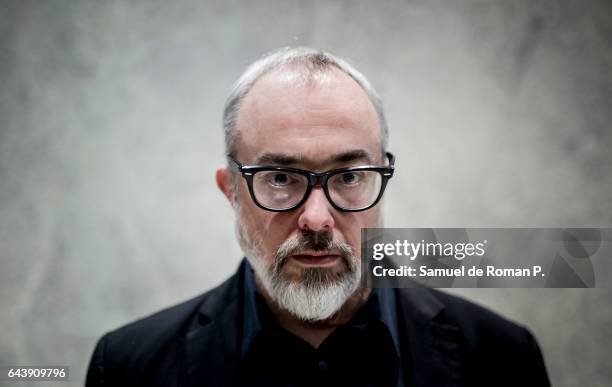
316	258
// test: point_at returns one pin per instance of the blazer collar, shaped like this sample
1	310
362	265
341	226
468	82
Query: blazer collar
212	344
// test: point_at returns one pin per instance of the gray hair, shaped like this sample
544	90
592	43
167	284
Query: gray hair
312	60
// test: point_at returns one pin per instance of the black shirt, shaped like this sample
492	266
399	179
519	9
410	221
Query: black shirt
363	352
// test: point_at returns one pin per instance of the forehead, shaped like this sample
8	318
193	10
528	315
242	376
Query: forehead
313	118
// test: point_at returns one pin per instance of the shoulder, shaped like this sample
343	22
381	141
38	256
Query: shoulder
473	316
145	332
488	343
144	335
474	321
134	348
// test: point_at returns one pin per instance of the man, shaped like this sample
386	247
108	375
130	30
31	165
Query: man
306	142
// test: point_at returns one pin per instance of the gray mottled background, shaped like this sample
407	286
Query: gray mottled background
500	115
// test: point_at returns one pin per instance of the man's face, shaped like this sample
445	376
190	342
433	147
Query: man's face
319	125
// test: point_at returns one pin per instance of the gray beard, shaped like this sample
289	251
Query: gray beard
320	293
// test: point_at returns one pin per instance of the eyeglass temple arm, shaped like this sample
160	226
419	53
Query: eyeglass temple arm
233	164
391	160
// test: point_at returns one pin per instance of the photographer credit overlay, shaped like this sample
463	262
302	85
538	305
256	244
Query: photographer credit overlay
486	257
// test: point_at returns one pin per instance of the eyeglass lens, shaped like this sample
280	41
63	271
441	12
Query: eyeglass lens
349	190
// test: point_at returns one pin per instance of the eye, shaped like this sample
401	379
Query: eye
279	179
350	178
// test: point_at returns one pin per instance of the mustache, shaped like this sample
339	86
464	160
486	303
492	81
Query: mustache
312	241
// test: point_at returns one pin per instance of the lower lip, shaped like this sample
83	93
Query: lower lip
320	260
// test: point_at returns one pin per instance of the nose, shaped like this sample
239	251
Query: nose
316	212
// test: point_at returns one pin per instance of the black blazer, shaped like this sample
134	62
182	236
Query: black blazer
450	342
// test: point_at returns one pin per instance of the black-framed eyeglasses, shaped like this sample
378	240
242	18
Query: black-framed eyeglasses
279	189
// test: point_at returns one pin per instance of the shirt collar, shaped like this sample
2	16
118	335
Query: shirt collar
383	301
251	324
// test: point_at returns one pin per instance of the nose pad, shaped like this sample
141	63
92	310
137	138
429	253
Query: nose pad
317	212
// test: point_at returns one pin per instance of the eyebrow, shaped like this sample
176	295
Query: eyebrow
287	159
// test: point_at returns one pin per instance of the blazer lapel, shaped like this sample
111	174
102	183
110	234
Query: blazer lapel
211	356
434	346
211	345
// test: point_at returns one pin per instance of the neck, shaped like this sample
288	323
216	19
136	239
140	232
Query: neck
315	332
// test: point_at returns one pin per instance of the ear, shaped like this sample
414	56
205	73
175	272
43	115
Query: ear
223	177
